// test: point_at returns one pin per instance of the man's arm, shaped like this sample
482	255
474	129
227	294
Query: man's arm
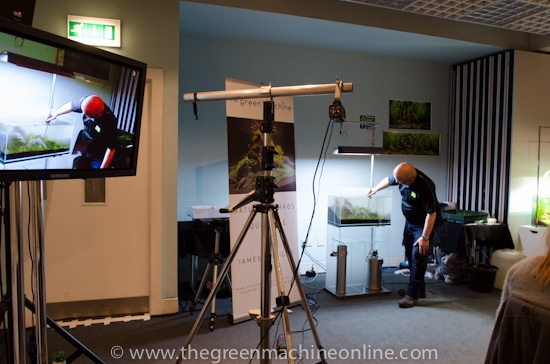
384	183
424	241
63	109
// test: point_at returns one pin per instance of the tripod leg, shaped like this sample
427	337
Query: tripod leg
299	286
216	286
213	306
215	262
228	281
201	286
282	301
265	320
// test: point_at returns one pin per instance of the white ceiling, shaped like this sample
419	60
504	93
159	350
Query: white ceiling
198	18
530	16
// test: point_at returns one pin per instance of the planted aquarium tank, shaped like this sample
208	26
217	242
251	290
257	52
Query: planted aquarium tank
541	200
26	136
352	207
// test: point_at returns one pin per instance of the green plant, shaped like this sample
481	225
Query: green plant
59	357
542	211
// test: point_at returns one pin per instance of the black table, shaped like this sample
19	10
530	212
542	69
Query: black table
197	238
474	241
483	239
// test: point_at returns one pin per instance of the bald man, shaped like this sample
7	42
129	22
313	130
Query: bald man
96	144
422	214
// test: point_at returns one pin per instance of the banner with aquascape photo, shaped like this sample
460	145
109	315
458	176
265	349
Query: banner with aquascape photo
245	119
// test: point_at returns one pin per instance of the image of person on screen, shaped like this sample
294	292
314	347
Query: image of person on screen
96	143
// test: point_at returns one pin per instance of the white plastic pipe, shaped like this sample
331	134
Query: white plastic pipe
269	91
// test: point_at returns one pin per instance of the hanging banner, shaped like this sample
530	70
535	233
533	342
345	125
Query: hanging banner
245	143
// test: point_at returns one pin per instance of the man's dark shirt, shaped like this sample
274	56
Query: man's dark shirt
102	132
418	199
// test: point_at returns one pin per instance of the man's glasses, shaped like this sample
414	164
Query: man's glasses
407	181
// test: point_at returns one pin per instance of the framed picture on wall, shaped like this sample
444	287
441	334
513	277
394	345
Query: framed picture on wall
416	115
415	143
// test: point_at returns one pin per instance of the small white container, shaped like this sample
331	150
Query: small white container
206	212
532	240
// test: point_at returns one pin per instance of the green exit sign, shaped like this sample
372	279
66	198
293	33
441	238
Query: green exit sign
91	30
94	31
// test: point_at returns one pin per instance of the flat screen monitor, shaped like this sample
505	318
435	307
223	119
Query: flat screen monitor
67	110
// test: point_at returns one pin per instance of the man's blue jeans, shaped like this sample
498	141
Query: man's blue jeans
417	262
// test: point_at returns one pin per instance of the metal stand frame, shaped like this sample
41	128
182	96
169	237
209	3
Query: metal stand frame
270	224
215	261
14	301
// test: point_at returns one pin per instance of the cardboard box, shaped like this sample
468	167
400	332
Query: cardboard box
206	212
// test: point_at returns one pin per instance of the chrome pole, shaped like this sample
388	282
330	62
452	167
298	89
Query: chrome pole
18	274
37	215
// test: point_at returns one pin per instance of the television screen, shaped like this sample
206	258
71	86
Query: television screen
67	110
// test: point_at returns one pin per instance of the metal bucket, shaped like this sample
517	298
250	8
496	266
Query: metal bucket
341	267
374	271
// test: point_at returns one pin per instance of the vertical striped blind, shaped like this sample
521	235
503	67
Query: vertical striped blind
124	100
480	134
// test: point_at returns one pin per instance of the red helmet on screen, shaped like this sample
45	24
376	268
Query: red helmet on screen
93	106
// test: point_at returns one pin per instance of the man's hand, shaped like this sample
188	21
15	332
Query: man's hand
371	192
51	118
423	245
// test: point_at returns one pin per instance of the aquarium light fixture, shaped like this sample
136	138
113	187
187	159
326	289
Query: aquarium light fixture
36	64
351	150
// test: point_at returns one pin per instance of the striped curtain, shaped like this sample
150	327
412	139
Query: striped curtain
480	134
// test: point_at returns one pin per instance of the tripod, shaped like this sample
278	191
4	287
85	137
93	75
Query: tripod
214	262
270	225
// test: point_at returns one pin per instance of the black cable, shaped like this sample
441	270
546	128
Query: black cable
31	255
324	148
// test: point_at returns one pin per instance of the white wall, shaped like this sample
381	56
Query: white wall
202	172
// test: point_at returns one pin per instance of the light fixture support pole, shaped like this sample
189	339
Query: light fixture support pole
270	92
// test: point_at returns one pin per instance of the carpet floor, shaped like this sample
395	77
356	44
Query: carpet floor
452	324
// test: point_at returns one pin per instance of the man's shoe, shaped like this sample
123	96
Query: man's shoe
402	293
407	302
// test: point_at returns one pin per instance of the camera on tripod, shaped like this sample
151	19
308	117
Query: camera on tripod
336	112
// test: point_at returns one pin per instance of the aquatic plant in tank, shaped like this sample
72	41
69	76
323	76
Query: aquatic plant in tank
541	211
